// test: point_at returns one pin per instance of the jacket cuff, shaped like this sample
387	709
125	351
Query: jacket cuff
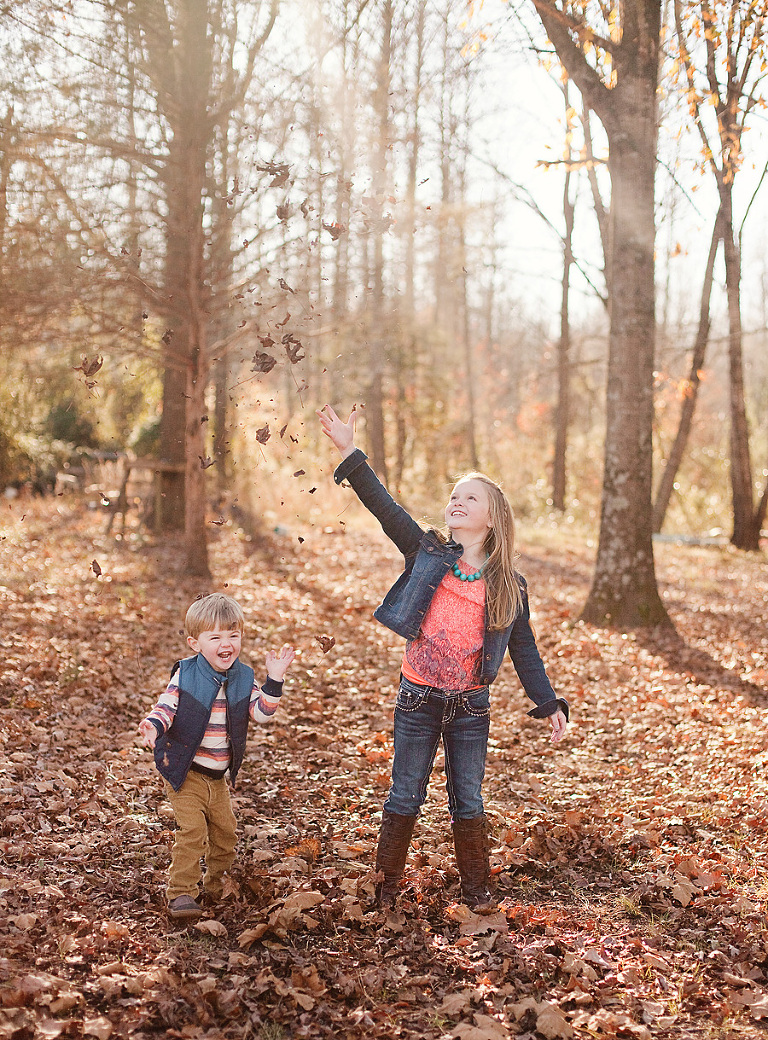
351	462
272	688
543	711
158	726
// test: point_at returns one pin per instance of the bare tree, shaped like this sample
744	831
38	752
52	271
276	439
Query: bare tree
562	408
622	92
724	52
677	452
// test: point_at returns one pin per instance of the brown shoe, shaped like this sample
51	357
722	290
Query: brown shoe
184	907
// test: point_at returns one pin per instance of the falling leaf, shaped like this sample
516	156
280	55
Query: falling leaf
263	362
293	347
286	319
96	568
263	434
89	369
299	473
326	643
278	172
220	522
167	336
284	285
283	211
283	430
335	230
207	462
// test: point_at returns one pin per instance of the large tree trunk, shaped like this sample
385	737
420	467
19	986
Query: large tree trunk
669	476
182	438
624	592
375	396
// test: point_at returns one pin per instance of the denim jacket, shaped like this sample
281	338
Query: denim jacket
427	560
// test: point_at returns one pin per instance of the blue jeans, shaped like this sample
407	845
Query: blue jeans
424	714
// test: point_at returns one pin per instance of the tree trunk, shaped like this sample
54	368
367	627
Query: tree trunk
186	363
624	593
197	462
667	483
562	414
746	529
375	399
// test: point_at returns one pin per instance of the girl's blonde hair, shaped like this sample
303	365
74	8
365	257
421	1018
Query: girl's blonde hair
503	591
212	612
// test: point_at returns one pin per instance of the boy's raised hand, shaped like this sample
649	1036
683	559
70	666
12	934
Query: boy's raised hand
278	662
148	733
341	433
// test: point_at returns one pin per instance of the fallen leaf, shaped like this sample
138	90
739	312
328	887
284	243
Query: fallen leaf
303	900
211	928
99	1027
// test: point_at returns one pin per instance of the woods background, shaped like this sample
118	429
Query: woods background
215	216
528	237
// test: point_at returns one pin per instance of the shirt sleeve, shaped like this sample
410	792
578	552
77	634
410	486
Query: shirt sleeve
530	667
163	713
264	700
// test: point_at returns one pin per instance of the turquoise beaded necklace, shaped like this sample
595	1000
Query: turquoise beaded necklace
467	577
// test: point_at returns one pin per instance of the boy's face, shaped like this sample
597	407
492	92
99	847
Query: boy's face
220	647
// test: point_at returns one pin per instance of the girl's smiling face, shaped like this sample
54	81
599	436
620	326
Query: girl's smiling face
469	508
220	647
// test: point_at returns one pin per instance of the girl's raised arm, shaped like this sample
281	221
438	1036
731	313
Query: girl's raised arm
341	433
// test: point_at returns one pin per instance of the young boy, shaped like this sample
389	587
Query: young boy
198	730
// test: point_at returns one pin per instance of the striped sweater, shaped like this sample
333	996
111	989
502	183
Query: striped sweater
214	753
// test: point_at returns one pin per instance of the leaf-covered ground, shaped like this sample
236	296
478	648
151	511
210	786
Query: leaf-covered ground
630	859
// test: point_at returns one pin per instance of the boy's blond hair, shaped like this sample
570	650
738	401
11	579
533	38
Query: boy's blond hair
212	612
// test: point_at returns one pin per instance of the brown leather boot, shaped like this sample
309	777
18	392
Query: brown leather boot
470	838
394	839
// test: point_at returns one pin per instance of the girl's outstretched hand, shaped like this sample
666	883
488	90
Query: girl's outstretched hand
558	722
341	433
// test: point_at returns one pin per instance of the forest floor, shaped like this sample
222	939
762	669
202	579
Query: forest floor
630	859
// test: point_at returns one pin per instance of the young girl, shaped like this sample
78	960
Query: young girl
460	604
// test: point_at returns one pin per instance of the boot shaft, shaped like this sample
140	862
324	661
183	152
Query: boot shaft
470	839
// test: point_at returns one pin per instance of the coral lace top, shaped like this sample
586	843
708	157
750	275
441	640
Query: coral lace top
447	651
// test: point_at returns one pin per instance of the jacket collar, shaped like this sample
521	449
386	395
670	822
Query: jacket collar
450	547
209	673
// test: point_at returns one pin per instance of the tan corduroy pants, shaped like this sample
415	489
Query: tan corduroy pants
206	827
